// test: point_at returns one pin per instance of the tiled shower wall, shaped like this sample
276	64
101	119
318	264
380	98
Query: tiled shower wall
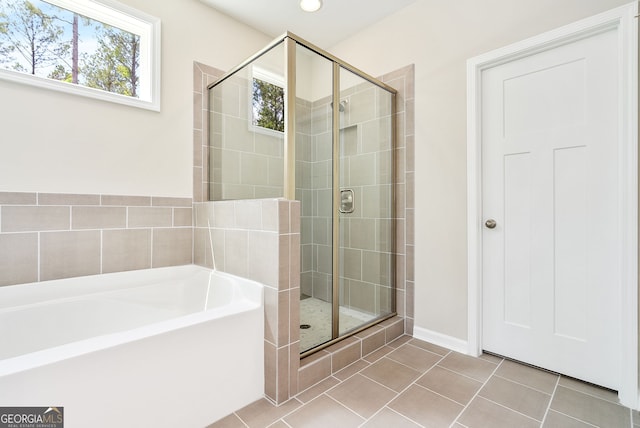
313	187
403	81
247	161
46	236
366	238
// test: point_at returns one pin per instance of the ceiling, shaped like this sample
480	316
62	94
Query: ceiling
337	20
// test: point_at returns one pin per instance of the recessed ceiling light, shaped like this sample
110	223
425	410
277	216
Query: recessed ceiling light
310	5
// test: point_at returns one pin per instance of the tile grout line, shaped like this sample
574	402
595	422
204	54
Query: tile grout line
574	418
400	414
466	376
588	393
528	386
555	388
38	257
281	418
476	394
513	410
241	420
439	394
343	405
418	347
399	393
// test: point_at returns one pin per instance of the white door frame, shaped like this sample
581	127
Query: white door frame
624	20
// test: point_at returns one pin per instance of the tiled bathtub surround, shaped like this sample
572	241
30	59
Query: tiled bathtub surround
259	239
203	75
46	236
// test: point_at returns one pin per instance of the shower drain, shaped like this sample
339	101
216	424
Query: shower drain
305	326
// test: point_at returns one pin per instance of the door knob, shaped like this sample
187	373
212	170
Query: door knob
491	223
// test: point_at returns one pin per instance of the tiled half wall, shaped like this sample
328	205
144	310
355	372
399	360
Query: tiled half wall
46	236
259	239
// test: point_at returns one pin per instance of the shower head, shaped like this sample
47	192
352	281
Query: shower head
341	106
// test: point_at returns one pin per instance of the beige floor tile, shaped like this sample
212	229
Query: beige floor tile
231	421
475	368
426	407
376	355
387	418
317	389
429	347
515	396
457	387
263	413
362	395
349	371
482	413
500	393
391	374
534	378
400	341
596	391
323	412
491	358
558	420
415	358
590	409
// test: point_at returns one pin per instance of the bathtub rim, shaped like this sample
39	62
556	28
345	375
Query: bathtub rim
248	302
58	289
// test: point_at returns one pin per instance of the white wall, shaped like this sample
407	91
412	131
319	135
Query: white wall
54	142
438	37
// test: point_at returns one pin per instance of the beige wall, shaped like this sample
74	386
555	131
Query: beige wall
438	37
53	142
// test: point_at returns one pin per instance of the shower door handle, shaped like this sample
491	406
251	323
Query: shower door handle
346	201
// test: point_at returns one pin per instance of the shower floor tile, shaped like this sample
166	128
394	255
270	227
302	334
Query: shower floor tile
316	314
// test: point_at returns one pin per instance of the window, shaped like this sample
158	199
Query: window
267	100
103	50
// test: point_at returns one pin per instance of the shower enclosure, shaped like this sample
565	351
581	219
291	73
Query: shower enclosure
295	122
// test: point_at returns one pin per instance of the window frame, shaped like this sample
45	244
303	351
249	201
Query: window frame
123	17
260	73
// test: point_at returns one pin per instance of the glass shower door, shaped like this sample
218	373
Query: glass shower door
344	179
314	184
365	212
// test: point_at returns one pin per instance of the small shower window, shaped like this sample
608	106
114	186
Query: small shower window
267	100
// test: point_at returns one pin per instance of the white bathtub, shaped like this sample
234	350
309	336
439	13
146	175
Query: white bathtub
169	347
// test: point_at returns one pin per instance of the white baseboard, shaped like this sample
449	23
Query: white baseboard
449	342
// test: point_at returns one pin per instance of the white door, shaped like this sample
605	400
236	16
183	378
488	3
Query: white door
551	280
